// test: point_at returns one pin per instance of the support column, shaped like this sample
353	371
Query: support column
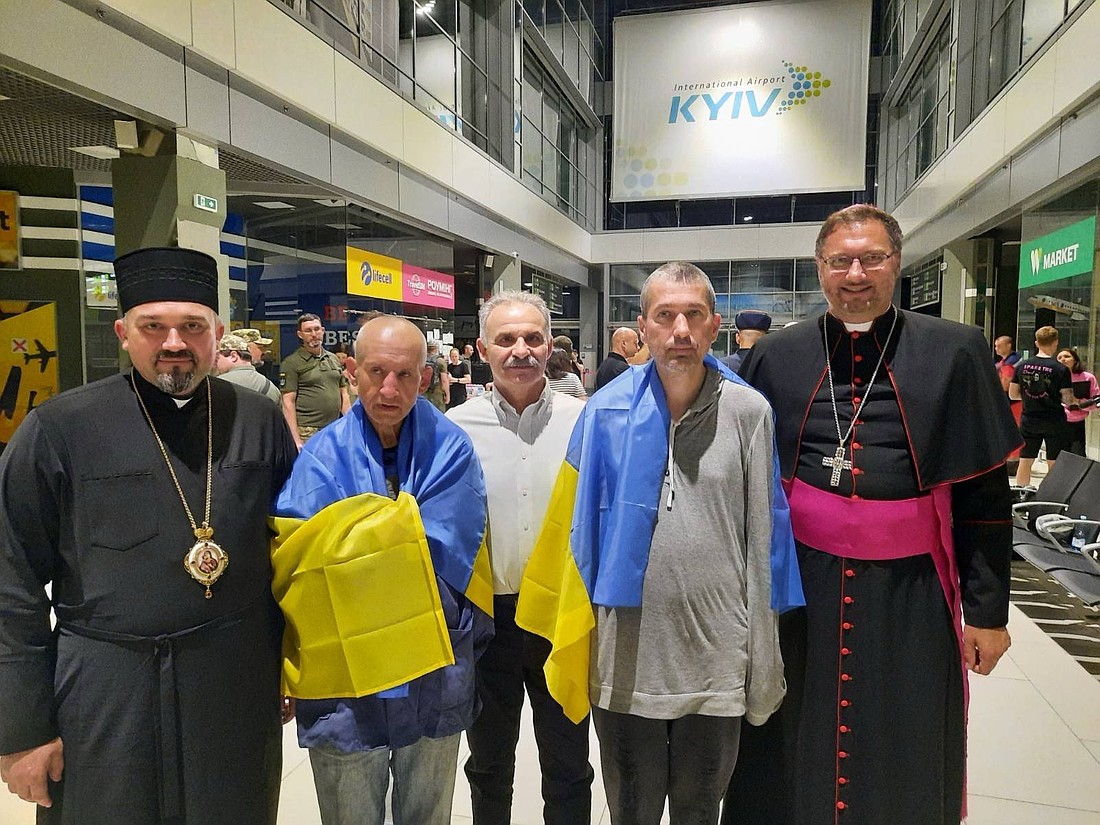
173	195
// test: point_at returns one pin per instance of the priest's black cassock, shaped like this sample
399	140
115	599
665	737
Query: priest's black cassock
167	703
873	727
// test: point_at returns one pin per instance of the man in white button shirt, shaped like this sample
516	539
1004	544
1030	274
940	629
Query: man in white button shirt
520	432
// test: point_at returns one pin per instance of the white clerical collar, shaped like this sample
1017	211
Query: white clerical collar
864	327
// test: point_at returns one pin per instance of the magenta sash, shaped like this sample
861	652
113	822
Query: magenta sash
857	528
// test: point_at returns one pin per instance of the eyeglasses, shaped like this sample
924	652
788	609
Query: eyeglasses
869	261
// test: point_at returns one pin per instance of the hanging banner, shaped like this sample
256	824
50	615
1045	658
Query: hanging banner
373	276
754	99
28	361
9	230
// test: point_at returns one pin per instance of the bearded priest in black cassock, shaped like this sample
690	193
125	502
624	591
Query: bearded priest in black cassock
142	501
892	432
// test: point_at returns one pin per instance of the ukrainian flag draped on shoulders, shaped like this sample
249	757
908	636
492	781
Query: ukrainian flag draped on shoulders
355	570
593	547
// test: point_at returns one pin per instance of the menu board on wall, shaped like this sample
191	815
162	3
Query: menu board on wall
924	288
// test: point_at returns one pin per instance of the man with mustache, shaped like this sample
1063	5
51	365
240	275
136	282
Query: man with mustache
156	696
520	432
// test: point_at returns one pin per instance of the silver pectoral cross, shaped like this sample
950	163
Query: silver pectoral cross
838	463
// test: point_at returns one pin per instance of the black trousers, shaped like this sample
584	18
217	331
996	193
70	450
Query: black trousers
510	666
687	761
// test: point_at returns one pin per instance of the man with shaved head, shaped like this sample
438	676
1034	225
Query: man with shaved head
388	476
624	345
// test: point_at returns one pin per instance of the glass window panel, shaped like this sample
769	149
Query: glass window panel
531	141
805	275
719	274
536	10
625	310
627	279
706	212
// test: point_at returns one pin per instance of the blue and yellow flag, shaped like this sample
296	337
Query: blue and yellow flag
594	544
356	571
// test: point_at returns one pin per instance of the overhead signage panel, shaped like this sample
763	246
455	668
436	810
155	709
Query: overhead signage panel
754	99
1069	251
373	276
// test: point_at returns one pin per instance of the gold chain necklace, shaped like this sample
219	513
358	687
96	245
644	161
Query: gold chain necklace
205	561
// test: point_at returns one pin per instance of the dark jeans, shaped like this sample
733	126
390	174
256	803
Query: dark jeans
512	663
688	760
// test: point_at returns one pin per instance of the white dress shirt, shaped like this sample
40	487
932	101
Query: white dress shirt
520	455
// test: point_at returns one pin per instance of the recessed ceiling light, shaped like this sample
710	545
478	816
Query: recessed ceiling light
330	202
747	218
274	205
101	152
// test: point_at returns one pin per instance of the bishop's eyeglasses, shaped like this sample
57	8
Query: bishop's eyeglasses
868	261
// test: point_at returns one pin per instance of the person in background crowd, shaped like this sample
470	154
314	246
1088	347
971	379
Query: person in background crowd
438	389
520	430
1043	383
1086	394
342	352
894	466
559	373
155	699
459	372
1005	360
234	364
257	344
752	325
625	344
315	389
566	343
370	489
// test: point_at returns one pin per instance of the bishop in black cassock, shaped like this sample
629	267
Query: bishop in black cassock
903	537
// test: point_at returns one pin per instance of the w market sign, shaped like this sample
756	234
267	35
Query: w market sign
1058	255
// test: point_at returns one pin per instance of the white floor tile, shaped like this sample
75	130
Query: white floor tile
989	811
13	810
1021	750
1094	747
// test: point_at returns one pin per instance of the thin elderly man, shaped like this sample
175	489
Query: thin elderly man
520	430
624	346
390	477
156	697
894	467
673	535
314	387
234	364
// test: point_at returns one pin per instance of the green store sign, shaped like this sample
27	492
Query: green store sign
1058	255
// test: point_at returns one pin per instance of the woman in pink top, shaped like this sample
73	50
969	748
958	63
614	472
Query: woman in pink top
1086	391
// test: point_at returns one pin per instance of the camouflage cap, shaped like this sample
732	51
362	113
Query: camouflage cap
252	336
231	342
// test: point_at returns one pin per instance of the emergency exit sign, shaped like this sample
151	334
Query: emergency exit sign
206	203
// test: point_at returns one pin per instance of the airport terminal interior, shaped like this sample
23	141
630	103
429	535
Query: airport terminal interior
415	157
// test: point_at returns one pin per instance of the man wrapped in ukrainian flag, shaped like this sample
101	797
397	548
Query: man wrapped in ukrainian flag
664	561
381	569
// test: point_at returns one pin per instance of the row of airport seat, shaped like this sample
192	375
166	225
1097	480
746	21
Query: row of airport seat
1067	502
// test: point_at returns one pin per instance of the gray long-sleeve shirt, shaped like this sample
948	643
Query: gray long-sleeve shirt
705	640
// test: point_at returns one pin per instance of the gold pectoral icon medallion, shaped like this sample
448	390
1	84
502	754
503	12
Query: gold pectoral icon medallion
206	561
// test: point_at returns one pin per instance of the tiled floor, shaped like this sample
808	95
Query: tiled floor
1034	749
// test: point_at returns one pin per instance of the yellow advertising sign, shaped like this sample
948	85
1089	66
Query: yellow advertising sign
9	230
28	364
373	276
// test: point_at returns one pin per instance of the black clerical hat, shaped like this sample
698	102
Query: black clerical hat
166	274
753	319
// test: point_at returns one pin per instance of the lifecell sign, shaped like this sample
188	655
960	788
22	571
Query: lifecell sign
378	276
